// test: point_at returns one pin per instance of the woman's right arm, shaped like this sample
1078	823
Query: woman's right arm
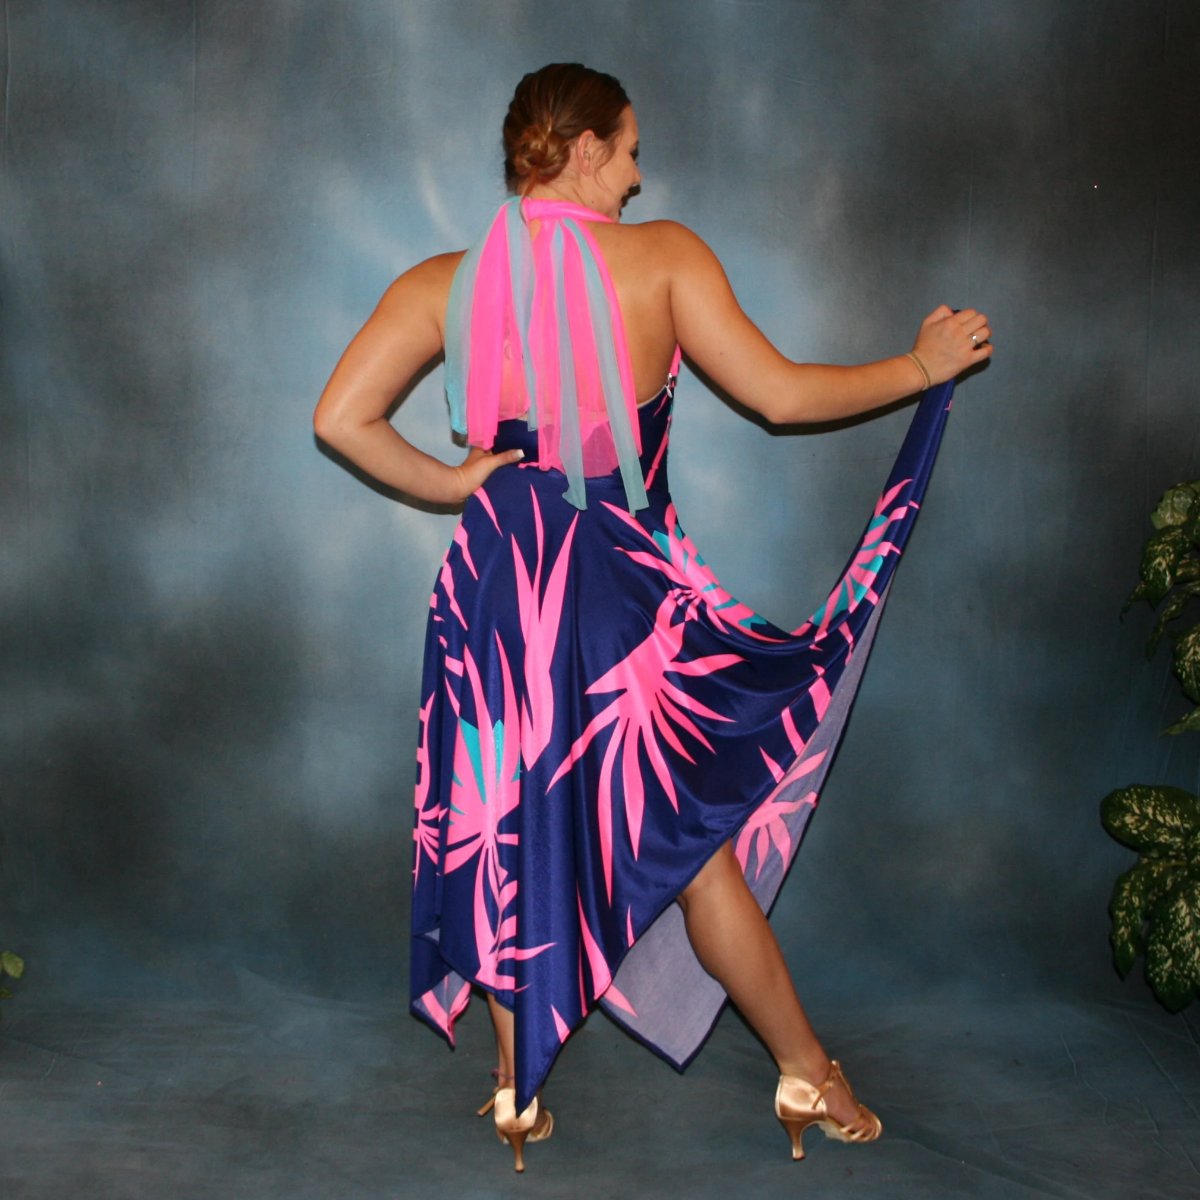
405	332
724	343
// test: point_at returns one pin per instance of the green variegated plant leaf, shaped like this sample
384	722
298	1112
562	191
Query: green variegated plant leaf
1155	820
1176	505
1188	724
1139	593
1176	603
1173	947
11	966
1187	568
1187	663
1155	904
1192	526
1134	894
1160	559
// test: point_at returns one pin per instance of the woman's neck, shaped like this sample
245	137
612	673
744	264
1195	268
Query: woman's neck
570	192
557	191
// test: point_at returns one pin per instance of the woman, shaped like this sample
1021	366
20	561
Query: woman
609	741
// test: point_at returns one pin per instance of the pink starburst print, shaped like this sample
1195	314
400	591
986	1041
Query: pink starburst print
463	542
649	710
673	554
485	789
858	581
446	579
541	613
427	823
598	968
444	1014
767	826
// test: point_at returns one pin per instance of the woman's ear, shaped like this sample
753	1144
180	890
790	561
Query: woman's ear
585	152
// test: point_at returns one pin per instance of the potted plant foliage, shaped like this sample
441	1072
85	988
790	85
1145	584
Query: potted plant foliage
1155	904
11	967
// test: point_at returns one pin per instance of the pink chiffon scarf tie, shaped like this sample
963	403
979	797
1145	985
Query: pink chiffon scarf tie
534	331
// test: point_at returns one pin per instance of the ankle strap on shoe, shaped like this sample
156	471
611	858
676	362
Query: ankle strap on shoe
834	1077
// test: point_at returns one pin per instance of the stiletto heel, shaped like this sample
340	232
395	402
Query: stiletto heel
501	1080
799	1104
535	1124
516	1138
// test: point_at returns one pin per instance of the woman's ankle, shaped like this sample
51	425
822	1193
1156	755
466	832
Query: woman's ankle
813	1069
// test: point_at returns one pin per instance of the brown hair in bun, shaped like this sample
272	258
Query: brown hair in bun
549	110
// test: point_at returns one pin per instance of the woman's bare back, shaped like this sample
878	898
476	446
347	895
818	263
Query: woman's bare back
641	273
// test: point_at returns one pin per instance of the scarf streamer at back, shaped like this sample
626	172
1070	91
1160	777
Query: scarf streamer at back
533	330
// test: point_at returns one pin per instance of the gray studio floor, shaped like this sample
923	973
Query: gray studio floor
269	1093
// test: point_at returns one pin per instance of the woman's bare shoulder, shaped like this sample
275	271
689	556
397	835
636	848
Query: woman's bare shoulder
434	273
665	233
655	249
670	244
423	288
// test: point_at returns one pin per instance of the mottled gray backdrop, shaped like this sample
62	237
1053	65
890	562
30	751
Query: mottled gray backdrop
212	632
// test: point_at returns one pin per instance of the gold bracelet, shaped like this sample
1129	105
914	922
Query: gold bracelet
920	367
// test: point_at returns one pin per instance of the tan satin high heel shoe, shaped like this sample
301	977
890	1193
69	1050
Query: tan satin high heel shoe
535	1124
798	1104
502	1080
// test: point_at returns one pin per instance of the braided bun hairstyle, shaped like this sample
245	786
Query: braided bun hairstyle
549	110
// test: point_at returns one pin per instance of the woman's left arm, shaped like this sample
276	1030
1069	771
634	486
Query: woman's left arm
404	332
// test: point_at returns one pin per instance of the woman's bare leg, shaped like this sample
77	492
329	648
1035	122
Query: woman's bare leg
502	1026
737	947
